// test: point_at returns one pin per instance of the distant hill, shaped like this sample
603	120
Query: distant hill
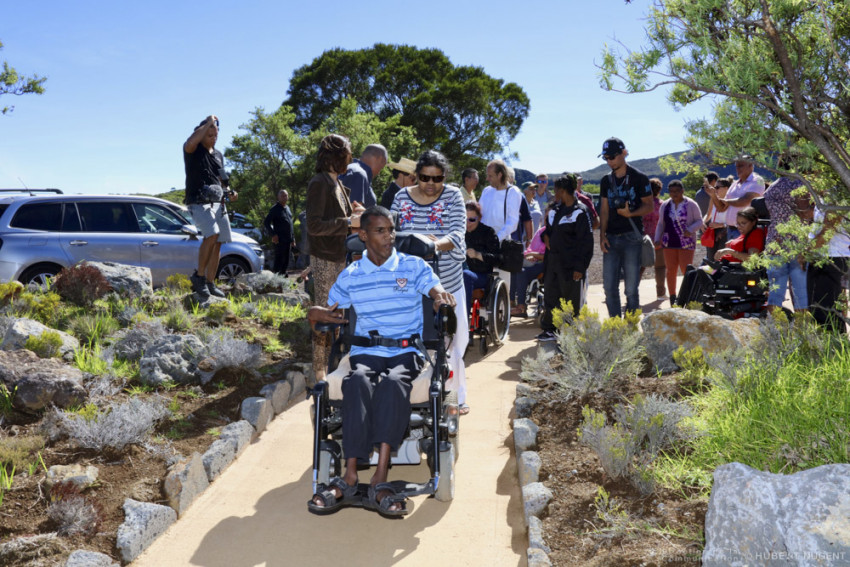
649	166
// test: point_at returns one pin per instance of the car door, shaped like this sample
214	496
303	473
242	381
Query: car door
165	248
101	231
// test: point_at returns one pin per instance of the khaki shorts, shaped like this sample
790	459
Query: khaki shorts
210	220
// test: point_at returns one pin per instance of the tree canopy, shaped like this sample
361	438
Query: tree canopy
14	84
779	70
272	154
459	110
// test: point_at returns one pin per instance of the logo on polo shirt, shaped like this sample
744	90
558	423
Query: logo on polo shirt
401	284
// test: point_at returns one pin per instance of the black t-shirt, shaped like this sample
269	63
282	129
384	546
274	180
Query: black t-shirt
632	188
202	168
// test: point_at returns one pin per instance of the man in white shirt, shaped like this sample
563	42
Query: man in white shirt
747	187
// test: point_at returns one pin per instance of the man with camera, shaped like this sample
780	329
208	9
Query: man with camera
206	183
625	197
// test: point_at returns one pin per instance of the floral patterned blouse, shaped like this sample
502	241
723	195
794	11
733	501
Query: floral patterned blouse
780	204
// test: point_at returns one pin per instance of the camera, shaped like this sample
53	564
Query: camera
618	202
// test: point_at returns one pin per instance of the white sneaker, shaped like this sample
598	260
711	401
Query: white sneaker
662	298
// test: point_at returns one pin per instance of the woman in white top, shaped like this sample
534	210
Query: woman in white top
500	202
717	220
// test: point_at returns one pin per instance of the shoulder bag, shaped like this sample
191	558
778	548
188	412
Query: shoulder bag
510	251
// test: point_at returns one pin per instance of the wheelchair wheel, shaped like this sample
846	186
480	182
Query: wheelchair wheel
329	464
500	312
446	489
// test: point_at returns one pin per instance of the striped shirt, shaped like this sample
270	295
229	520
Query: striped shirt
444	217
387	298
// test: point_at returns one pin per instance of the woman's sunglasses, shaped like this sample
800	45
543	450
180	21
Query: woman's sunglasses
472	219
435	178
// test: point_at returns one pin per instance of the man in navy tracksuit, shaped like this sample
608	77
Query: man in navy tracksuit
569	248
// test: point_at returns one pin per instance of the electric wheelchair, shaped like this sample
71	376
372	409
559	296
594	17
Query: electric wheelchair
725	289
490	314
433	426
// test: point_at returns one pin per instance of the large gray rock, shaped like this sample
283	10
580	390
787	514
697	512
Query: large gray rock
239	434
535	499
132	281
81	476
39	382
298	381
220	454
666	330
22	329
184	482
759	518
258	412
83	558
172	357
538	558
535	534
143	523
278	394
528	467
525	434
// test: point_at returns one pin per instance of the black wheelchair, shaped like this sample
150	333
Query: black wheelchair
434	419
490	314
726	289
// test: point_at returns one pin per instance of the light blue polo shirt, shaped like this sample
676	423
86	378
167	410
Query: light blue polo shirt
388	298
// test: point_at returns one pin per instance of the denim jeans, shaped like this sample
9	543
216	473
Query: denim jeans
473	280
623	254
525	277
779	275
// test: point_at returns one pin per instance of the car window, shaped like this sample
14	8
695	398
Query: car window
70	219
155	218
106	217
3	209
39	216
238	222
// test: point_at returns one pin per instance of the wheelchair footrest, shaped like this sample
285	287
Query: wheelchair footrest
403	488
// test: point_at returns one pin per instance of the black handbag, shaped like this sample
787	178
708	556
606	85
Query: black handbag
510	252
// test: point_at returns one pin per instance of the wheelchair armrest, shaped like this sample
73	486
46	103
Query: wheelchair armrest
327	327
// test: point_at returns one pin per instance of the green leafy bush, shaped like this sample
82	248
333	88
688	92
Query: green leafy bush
9	291
81	284
91	329
45	345
218	312
179	283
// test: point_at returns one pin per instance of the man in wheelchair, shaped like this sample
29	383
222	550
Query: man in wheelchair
385	290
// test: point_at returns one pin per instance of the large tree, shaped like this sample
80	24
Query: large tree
460	110
272	154
14	84
778	69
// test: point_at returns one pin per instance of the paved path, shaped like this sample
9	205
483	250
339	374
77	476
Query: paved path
255	513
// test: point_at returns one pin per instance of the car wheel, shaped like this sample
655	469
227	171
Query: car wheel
39	275
231	267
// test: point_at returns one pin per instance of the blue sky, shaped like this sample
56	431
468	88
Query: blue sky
127	82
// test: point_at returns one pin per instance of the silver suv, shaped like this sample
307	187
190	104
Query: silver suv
41	233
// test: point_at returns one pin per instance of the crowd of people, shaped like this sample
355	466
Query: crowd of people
555	228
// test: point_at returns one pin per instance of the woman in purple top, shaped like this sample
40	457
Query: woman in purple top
650	222
679	219
781	205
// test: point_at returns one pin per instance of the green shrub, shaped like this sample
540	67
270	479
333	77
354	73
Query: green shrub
43	307
20	450
45	345
9	291
178	320
694	368
218	312
91	329
81	284
592	353
179	283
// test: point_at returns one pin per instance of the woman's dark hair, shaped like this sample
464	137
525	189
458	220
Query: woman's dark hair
474	206
433	158
334	154
749	213
675	183
712	176
656	185
725	181
567	182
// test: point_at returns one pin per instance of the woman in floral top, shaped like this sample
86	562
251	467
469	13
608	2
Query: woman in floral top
780	204
436	210
679	219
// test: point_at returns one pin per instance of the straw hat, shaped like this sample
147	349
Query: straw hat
406	165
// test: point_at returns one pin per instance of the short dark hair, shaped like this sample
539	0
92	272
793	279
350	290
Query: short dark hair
567	182
474	206
433	158
726	181
334	154
374	211
675	183
468	172
711	176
